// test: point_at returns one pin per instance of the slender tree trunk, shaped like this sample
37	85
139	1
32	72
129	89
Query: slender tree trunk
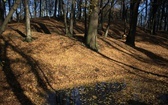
109	20
91	39
166	20
65	20
153	17
40	8
130	40
28	28
35	8
55	9
101	15
80	9
2	28
86	24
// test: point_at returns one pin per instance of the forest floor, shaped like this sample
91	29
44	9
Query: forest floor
29	72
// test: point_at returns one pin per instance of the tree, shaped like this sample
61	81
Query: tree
91	38
28	28
1	12
134	5
2	28
154	8
65	19
72	18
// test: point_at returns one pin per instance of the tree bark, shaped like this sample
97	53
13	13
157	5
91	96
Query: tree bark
91	39
65	19
28	28
130	40
2	28
72	18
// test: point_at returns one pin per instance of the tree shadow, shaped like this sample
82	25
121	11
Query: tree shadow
156	58
130	66
39	74
11	78
40	27
19	32
153	39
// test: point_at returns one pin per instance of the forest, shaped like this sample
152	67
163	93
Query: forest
83	52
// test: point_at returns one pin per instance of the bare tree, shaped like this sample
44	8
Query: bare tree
134	5
28	28
91	38
2	28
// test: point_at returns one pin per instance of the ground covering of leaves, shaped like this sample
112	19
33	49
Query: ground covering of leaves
52	61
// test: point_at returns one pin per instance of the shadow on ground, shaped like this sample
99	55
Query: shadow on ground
11	78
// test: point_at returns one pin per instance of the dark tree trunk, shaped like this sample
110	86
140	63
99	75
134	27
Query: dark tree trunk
80	9
2	28
166	19
91	39
153	16
161	19
60	7
1	13
35	7
40	8
86	24
123	10
55	9
130	40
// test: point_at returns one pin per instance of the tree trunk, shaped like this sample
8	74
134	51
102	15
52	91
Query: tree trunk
80	9
130	40
101	15
91	39
55	9
40	7
28	28
109	20
60	7
65	19
1	13
9	16
166	19
72	18
86	24
153	16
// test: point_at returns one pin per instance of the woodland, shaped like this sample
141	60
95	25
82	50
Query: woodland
83	52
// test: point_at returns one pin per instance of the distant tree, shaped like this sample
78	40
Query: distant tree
91	38
14	7
28	28
134	5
